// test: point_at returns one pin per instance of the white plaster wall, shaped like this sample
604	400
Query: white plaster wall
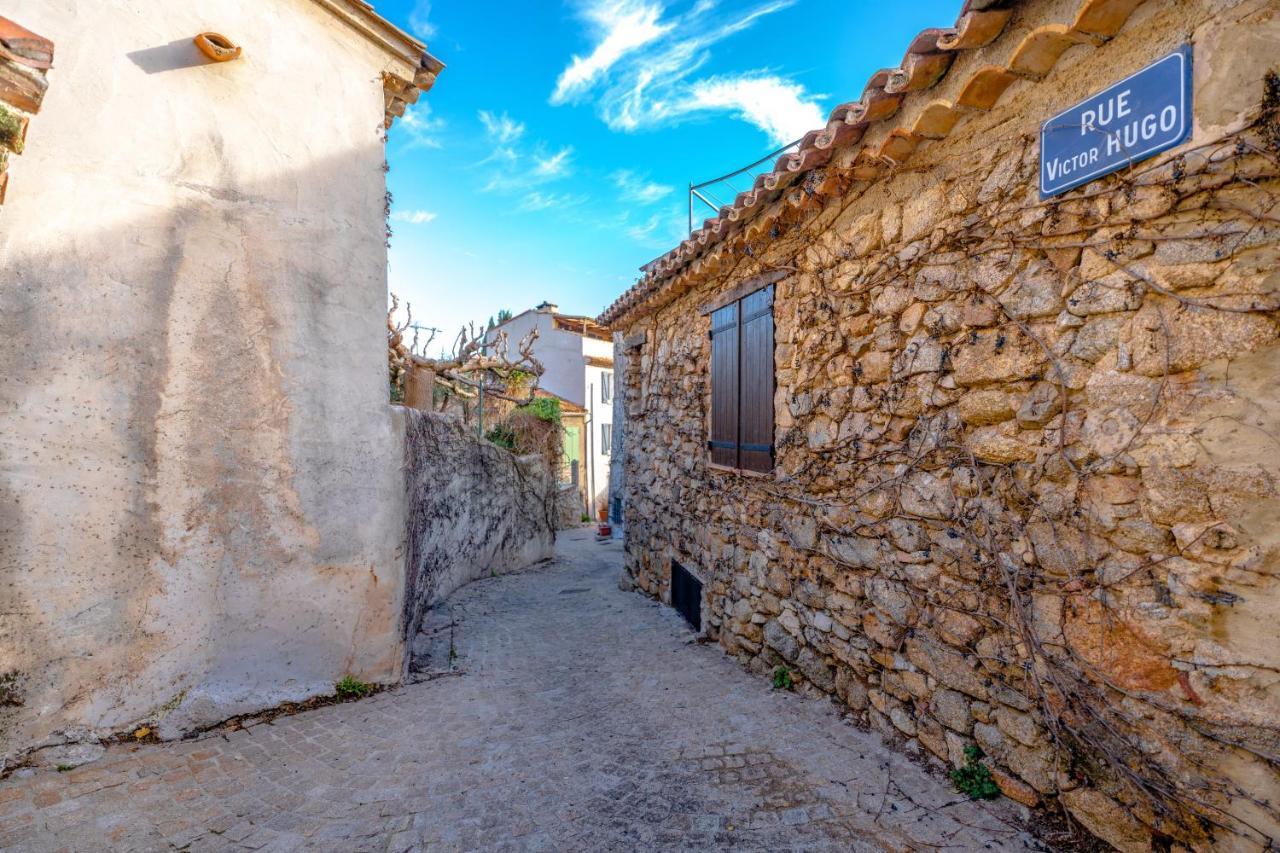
559	351
200	502
599	412
597	348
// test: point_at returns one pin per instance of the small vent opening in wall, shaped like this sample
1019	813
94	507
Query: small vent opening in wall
686	595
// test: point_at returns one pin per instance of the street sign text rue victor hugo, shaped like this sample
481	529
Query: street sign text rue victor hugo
1144	114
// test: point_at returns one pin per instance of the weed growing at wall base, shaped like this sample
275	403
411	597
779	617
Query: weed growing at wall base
352	688
974	779
782	678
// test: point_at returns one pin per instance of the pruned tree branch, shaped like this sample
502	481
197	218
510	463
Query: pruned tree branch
479	361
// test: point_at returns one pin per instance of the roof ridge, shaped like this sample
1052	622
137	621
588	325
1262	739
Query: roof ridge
418	68
925	64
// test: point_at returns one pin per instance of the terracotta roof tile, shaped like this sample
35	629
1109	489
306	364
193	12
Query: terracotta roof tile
24	59
928	61
18	44
415	70
566	406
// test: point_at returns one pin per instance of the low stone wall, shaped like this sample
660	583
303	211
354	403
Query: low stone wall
568	507
473	510
1027	472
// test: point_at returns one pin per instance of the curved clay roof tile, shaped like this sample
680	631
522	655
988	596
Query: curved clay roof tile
20	45
927	61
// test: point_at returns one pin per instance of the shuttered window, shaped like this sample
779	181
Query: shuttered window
742	383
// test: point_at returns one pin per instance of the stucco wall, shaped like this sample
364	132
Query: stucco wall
199	478
600	413
560	353
1027	485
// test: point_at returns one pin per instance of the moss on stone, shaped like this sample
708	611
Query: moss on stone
10	130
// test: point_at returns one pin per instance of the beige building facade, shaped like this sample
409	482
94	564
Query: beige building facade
202	506
1003	473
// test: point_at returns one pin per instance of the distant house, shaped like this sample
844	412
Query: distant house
577	354
573	418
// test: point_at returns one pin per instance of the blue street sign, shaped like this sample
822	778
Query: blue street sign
1144	114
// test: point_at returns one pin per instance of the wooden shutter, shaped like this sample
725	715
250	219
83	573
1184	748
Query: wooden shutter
755	421
724	386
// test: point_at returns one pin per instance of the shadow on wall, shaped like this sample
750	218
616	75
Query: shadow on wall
199	490
173	56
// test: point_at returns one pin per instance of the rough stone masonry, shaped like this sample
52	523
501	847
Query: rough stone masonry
1027	465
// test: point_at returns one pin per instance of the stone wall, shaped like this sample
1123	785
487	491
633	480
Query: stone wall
617	470
568	506
472	510
1028	476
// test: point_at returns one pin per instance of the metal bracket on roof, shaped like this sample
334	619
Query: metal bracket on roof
725	179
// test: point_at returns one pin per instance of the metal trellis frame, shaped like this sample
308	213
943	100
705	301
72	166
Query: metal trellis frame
697	190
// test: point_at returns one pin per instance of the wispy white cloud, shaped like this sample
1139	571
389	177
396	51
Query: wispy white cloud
657	227
778	107
639	190
643	69
413	217
620	26
643	232
536	200
417	128
420	20
516	166
501	129
503	135
553	165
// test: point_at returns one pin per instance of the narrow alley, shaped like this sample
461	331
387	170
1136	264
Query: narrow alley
577	717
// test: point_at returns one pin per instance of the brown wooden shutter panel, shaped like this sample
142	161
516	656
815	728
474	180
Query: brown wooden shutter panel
724	386
755	429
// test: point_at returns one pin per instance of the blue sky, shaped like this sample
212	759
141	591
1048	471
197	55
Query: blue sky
552	157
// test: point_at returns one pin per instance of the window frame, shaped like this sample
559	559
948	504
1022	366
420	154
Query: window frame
606	439
737	297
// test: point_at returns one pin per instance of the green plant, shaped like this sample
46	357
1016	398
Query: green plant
516	376
974	779
10	130
351	687
585	518
503	436
63	768
545	408
782	678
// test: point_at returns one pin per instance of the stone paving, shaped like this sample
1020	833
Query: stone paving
575	717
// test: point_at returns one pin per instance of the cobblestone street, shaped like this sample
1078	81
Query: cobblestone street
580	717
